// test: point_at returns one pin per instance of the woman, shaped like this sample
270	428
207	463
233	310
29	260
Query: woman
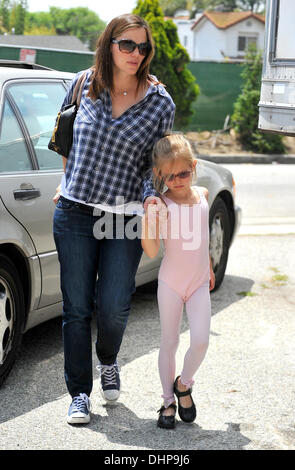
123	112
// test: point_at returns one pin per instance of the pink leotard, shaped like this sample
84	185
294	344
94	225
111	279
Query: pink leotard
185	266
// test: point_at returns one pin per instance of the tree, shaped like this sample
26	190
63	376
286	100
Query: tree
80	22
41	31
5	14
169	64
195	6
17	16
170	7
253	5
245	116
228	5
198	6
231	5
38	20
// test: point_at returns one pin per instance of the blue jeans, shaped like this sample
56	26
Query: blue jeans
82	257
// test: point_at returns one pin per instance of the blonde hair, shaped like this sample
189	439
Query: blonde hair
170	148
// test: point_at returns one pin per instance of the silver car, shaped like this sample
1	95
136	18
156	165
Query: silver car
29	173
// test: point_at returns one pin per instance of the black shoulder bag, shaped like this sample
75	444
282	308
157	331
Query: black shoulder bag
62	137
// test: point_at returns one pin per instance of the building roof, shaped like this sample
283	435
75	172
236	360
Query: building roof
71	43
224	20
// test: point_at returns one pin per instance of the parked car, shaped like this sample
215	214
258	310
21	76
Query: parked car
29	173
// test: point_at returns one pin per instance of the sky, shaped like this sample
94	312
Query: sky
106	9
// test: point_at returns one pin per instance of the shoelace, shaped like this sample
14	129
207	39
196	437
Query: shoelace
80	401
109	373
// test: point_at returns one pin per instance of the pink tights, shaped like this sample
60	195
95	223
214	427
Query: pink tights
198	309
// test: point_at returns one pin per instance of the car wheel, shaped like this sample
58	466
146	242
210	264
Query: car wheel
12	315
219	239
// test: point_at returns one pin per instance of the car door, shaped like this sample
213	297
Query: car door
29	172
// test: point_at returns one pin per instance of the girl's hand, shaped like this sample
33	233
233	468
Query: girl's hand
56	197
212	280
156	206
152	200
155	217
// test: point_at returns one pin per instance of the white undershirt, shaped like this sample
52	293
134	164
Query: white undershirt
129	208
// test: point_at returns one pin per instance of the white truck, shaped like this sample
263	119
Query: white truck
277	98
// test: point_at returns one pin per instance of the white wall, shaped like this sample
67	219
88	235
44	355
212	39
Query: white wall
251	28
185	34
209	42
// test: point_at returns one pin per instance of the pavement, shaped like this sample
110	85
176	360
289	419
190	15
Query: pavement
249	228
250	158
244	390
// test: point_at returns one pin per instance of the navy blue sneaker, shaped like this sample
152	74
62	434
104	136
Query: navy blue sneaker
110	381
79	411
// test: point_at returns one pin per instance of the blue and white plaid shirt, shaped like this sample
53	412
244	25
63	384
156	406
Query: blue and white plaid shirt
111	158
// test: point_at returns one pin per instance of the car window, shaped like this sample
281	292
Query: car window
39	104
14	154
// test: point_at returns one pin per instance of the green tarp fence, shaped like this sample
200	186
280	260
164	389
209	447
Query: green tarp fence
66	61
220	85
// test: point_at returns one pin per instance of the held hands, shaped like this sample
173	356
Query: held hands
155	208
155	211
155	214
152	200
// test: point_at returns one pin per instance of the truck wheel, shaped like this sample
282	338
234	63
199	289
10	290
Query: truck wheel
219	239
12	315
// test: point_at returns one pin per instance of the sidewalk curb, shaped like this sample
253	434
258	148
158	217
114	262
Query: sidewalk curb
255	158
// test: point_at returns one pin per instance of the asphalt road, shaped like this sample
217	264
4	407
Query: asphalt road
244	390
267	196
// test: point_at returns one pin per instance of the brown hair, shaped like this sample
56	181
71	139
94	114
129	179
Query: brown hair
102	76
168	149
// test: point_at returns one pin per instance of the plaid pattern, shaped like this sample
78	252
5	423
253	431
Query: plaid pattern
112	157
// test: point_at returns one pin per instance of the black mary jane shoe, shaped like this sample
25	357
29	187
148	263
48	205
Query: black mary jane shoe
188	415
166	422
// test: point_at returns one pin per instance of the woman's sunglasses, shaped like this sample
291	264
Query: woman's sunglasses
182	175
128	46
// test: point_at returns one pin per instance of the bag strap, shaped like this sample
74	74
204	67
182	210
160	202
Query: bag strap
77	93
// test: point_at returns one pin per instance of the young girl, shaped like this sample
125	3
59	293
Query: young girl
185	275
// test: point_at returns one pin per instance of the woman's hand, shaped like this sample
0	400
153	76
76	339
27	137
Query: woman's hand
56	197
